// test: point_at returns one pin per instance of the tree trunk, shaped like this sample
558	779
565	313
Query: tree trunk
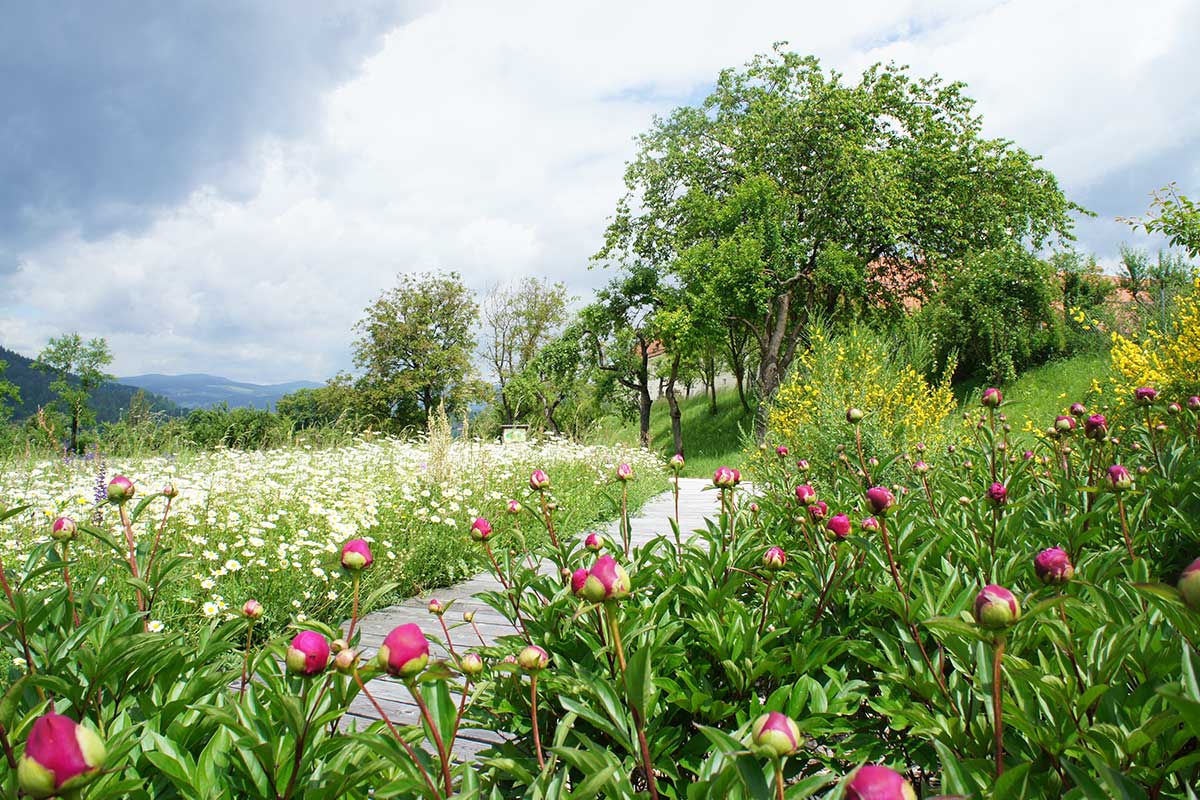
769	371
644	403
673	403
75	431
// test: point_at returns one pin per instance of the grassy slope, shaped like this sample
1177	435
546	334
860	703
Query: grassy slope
708	441
1034	399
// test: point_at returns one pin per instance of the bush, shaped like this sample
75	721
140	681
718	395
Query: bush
880	374
997	313
1167	360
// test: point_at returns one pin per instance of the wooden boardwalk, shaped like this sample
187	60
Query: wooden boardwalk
653	520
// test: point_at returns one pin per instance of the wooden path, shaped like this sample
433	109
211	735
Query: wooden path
653	520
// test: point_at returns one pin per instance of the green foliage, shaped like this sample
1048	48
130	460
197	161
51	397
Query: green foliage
240	428
997	312
10	395
1175	216
334	405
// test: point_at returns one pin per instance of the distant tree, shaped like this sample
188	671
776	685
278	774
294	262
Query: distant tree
8	392
518	321
1169	276
414	348
335	403
78	367
1135	270
784	161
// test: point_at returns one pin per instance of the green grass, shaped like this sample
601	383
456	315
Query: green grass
709	441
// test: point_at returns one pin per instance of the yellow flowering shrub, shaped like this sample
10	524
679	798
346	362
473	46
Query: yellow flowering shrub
858	369
1167	361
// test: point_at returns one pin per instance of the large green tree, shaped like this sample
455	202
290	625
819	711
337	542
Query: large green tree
414	349
784	162
519	320
78	369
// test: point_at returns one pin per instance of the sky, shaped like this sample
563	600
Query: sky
224	187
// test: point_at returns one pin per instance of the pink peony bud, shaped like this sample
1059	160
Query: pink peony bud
1145	395
781	450
512	507
578	579
1053	566
1189	585
1119	479
1096	427
997	493
676	462
308	654
468	616
471	665
818	510
726	477
533	659
1064	424
996	607
356	555
594	542
871	525
991	398
802	465
806	494
481	529
837	528
405	651
1027	455
1174	408
606	580
345	661
624	472
436	607
920	468
880	499
1078	409
777	733
774	558
874	782
1193	403
338	645
854	415
60	756
64	529
539	481
170	491
120	490
252	609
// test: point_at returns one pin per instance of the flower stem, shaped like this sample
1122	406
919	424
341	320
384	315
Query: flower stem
445	630
1125	527
443	756
619	649
997	706
66	554
407	747
132	545
354	610
625	533
533	717
246	659
762	618
779	779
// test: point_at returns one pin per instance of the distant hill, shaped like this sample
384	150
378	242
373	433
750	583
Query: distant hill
206	391
110	401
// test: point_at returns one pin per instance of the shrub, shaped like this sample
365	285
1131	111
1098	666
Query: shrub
1166	360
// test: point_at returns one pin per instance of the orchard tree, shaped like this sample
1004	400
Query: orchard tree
1175	216
785	162
519	320
414	349
78	369
8	393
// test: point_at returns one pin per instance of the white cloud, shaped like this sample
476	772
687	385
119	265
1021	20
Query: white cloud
491	140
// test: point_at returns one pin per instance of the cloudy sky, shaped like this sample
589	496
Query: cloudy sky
223	187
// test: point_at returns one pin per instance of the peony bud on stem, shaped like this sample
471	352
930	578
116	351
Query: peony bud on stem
997	703
610	609
396	734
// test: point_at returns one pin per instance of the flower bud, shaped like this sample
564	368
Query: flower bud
481	529
854	415
818	510
60	756
606	580
471	665
1174	408
802	465
468	616
512	507
594	542
624	472
1096	427
777	733
1027	455
436	607
252	609
871	525
338	645
578	579
806	494
997	493
308	654
774	559
920	468
345	661
726	477
996	607
64	529
404	652
880	499
1193	402
1078	409
170	491
539	481
781	450
1064	424
676	462
533	659
1145	395
1053	566
991	398
1189	585
1119	479
356	555
120	490
837	528
875	782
